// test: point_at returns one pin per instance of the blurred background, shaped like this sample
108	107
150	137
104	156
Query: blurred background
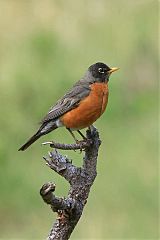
45	46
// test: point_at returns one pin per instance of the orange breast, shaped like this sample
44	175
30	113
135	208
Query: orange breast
89	109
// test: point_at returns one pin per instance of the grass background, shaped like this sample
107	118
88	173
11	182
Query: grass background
45	46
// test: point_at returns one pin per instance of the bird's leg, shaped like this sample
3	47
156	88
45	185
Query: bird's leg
77	141
72	134
82	135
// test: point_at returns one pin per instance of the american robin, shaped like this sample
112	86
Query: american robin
81	106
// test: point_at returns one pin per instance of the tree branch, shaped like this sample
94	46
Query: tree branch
70	209
80	145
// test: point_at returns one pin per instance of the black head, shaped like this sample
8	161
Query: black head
101	72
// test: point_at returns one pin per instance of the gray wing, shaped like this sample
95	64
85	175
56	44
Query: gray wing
70	100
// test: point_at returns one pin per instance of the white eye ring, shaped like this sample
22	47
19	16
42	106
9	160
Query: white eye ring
100	70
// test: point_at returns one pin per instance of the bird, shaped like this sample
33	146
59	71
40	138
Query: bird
81	106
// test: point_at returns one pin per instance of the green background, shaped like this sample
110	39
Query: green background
45	46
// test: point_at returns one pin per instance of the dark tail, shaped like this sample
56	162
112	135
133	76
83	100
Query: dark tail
44	129
30	141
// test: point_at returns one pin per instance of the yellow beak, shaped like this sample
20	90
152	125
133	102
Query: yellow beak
113	69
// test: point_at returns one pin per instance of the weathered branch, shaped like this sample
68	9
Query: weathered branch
70	209
80	145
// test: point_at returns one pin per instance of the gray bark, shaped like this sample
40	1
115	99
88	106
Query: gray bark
70	208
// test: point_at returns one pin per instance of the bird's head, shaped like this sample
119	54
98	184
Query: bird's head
100	72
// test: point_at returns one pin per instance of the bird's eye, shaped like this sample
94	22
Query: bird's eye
100	70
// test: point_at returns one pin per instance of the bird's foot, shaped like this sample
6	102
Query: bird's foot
83	142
